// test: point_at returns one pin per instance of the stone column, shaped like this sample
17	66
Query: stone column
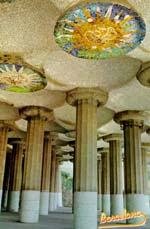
105	180
132	124
145	147
145	158
52	196
59	193
58	189
6	180
56	182
15	176
116	184
46	169
30	199
99	182
86	101
3	147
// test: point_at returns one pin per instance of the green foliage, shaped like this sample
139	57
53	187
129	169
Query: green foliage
67	181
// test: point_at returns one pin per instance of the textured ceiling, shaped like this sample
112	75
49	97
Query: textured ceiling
26	28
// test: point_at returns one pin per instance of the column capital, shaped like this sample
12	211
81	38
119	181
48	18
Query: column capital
148	131
143	75
94	94
8	112
47	135
131	118
17	141
145	145
36	111
113	137
6	124
99	157
103	150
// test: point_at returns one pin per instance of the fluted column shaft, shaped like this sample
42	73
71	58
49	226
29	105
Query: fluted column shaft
85	187
86	101
16	177
133	157
99	183
30	201
46	172
3	146
6	180
116	182
86	157
52	195
34	149
144	152
116	167
134	189
32	168
59	188
105	182
46	167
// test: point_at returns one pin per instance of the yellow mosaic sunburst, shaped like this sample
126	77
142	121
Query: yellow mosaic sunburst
20	78
99	30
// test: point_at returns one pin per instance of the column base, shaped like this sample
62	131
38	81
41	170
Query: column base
1	193
99	202
52	201
85	210
106	204
135	203
30	201
116	204
13	201
59	199
44	203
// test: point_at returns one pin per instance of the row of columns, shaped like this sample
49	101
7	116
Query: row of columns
85	185
111	170
35	182
85	176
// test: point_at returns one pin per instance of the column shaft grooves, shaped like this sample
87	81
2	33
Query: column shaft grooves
33	156
87	130
16	167
133	160
3	146
99	173
115	167
46	168
105	173
53	172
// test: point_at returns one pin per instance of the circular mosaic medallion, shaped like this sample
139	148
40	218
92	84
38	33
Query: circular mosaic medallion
99	30
20	78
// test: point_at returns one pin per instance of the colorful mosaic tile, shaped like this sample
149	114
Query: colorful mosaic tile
99	30
20	78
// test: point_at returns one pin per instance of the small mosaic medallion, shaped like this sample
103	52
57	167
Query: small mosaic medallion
99	30
20	78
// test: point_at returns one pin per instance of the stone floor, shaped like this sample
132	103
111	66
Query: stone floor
61	219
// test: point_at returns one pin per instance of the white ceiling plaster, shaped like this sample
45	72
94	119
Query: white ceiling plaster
132	96
76	72
26	26
46	98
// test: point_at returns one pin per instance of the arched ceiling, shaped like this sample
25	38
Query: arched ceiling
26	29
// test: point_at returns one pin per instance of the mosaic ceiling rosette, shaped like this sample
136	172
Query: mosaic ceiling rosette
99	30
19	77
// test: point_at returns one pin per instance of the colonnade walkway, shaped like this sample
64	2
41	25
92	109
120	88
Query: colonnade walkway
60	219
